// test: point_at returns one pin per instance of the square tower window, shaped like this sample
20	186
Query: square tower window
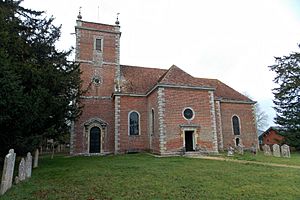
98	44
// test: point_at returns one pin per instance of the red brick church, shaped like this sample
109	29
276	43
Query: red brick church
166	112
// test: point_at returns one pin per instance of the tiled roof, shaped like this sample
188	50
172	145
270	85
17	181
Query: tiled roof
140	80
223	91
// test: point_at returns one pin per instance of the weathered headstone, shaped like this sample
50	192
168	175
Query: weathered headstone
240	149
276	150
8	171
36	158
253	149
285	151
22	170
28	165
267	150
230	151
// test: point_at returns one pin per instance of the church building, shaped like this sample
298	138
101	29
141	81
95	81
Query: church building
162	111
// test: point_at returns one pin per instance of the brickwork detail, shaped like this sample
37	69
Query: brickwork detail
117	72
213	121
117	123
161	101
219	126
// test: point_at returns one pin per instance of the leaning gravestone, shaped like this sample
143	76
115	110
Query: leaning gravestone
36	159
240	149
267	150
285	151
8	171
28	165
276	150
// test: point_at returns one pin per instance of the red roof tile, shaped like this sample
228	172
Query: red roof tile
140	80
223	91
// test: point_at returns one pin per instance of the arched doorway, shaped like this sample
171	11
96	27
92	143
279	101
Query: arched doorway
237	141
95	140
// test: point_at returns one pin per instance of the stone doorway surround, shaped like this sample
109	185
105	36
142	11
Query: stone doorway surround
88	125
195	129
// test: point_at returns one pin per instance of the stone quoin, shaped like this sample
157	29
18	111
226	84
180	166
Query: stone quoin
163	111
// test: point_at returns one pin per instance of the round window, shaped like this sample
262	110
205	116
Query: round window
188	113
96	80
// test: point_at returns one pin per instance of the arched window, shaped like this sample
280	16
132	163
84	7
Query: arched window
134	123
236	125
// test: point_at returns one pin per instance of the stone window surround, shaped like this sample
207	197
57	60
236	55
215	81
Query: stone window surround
191	110
98	38
128	124
232	129
240	140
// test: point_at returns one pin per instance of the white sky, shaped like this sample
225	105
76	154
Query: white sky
234	40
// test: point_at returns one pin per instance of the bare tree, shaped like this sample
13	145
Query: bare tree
261	117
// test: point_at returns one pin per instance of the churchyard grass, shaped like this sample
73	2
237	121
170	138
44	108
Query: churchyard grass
260	157
142	176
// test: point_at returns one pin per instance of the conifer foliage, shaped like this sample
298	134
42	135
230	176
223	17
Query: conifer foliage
287	96
38	85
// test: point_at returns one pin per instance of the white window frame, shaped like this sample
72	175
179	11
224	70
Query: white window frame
191	110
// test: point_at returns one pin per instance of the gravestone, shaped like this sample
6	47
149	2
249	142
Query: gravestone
240	149
22	171
276	150
230	151
8	171
285	151
267	150
36	158
28	165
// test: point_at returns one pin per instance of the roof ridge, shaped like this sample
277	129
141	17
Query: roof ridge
142	67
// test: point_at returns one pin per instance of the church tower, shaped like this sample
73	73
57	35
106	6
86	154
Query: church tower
98	52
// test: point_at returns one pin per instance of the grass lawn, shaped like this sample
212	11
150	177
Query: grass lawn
141	176
260	157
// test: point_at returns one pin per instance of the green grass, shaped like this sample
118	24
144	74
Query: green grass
141	176
260	157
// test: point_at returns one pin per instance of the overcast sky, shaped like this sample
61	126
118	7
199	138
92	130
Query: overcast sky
234	40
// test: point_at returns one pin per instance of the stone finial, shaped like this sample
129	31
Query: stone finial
117	20
79	16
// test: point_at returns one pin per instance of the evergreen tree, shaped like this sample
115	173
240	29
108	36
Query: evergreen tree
38	85
287	96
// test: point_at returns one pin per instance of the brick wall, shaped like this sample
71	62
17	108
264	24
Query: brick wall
97	101
176	101
248	132
133	142
153	104
272	138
